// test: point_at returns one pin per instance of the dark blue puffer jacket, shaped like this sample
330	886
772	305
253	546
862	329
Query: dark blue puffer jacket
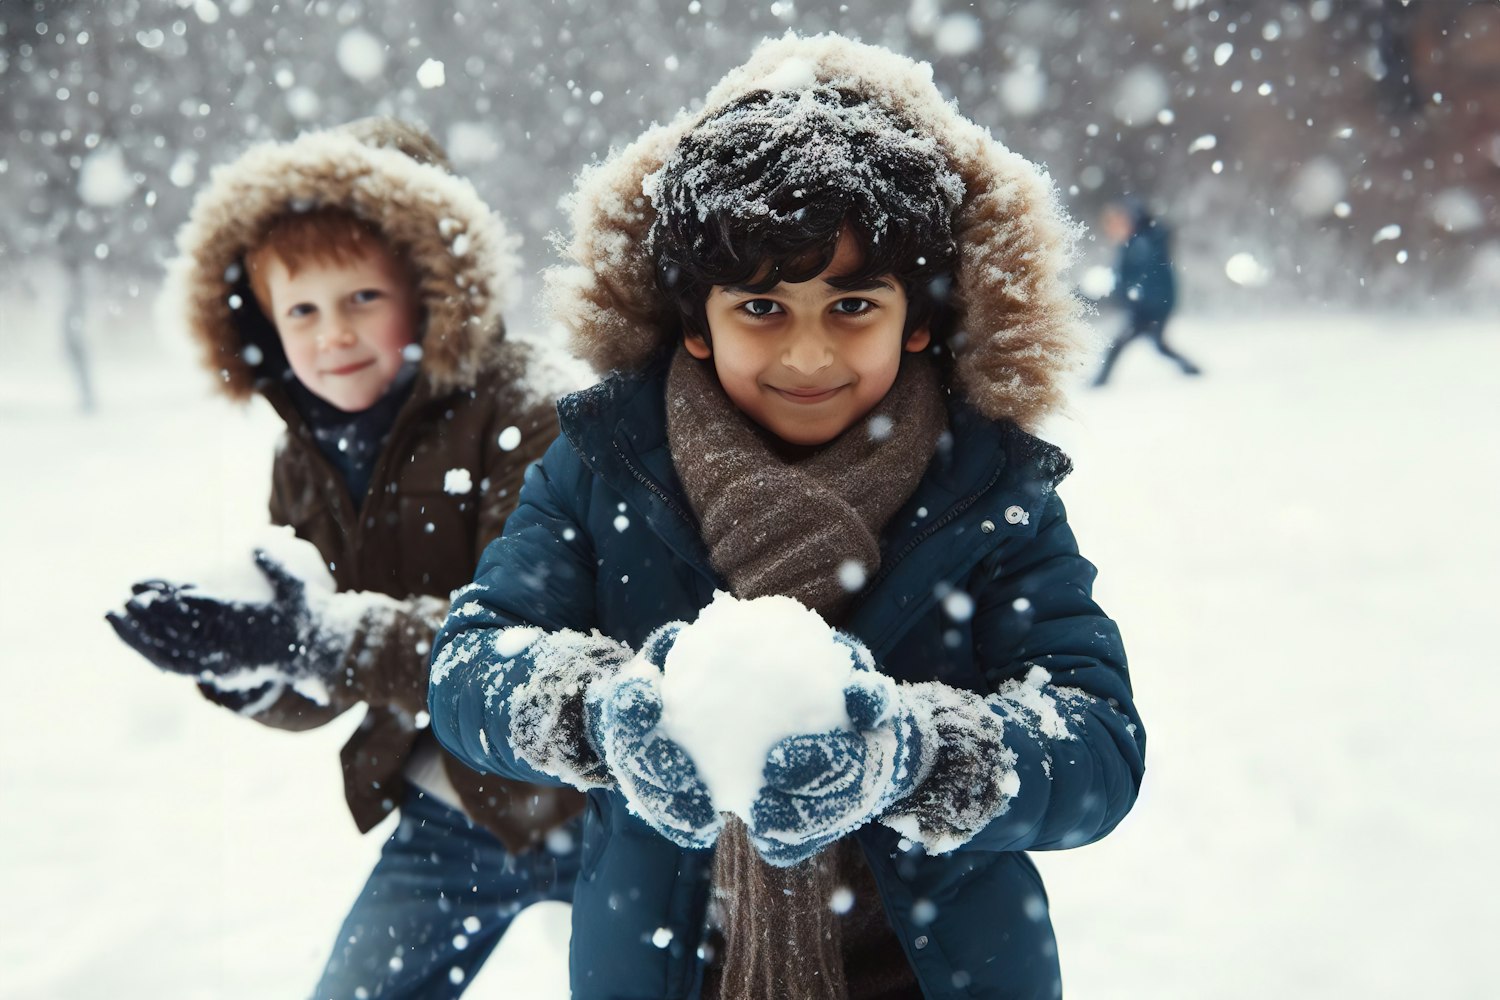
605	506
1144	283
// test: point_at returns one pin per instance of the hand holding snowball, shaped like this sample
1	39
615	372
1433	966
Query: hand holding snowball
823	786
186	631
654	773
276	620
759	709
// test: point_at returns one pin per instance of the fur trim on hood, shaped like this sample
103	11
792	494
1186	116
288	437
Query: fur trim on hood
387	172
1019	335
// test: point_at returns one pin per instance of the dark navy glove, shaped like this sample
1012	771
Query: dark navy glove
185	632
657	777
823	786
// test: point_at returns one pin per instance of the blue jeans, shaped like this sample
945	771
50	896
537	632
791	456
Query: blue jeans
437	903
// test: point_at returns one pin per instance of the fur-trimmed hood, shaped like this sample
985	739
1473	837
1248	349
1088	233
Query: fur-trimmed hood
387	172
1019	336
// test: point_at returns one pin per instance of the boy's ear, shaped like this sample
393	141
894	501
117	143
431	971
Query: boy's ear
919	339
697	346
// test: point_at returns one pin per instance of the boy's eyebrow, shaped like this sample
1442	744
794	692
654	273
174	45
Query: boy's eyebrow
869	284
865	285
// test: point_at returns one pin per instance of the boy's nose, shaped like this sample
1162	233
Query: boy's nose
807	354
339	334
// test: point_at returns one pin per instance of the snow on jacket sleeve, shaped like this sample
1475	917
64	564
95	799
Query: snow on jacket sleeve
1053	756
524	628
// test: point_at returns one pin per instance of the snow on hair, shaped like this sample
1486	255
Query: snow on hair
1019	339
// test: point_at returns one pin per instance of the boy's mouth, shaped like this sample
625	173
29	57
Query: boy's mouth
807	395
349	369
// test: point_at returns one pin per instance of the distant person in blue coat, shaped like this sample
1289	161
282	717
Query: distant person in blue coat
831	306
1145	287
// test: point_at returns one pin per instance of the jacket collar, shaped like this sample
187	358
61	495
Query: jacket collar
619	429
957	515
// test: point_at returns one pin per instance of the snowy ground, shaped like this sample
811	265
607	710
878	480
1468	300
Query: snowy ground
1300	548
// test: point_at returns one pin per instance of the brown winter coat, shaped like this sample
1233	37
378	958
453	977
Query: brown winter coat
448	473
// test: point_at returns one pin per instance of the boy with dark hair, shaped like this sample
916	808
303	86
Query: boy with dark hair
832	304
355	284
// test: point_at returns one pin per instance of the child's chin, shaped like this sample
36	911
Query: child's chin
349	402
807	437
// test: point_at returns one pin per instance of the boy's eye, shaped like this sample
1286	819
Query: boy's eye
853	307
761	307
300	310
367	295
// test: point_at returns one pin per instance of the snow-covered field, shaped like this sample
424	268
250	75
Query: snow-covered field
1300	547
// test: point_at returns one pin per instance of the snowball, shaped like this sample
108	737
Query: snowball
234	576
431	74
958	34
923	912
744	676
959	606
1457	210
1140	95
184	169
1097	282
361	55
1318	187
852	575
1023	91
303	103
472	143
457	482
104	180
1244	269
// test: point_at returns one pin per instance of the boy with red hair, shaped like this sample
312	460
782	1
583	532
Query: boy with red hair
354	283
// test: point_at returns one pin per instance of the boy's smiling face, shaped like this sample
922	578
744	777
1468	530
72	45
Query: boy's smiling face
345	326
806	361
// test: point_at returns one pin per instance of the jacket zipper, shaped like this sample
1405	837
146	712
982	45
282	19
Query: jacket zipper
953	512
651	485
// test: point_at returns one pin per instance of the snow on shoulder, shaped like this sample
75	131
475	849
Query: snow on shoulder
742	677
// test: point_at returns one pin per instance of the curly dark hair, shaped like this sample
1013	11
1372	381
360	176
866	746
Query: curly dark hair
759	193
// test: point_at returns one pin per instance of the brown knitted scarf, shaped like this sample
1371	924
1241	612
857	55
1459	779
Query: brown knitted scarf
810	529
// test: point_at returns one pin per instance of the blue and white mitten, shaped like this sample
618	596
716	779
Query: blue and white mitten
657	777
823	786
